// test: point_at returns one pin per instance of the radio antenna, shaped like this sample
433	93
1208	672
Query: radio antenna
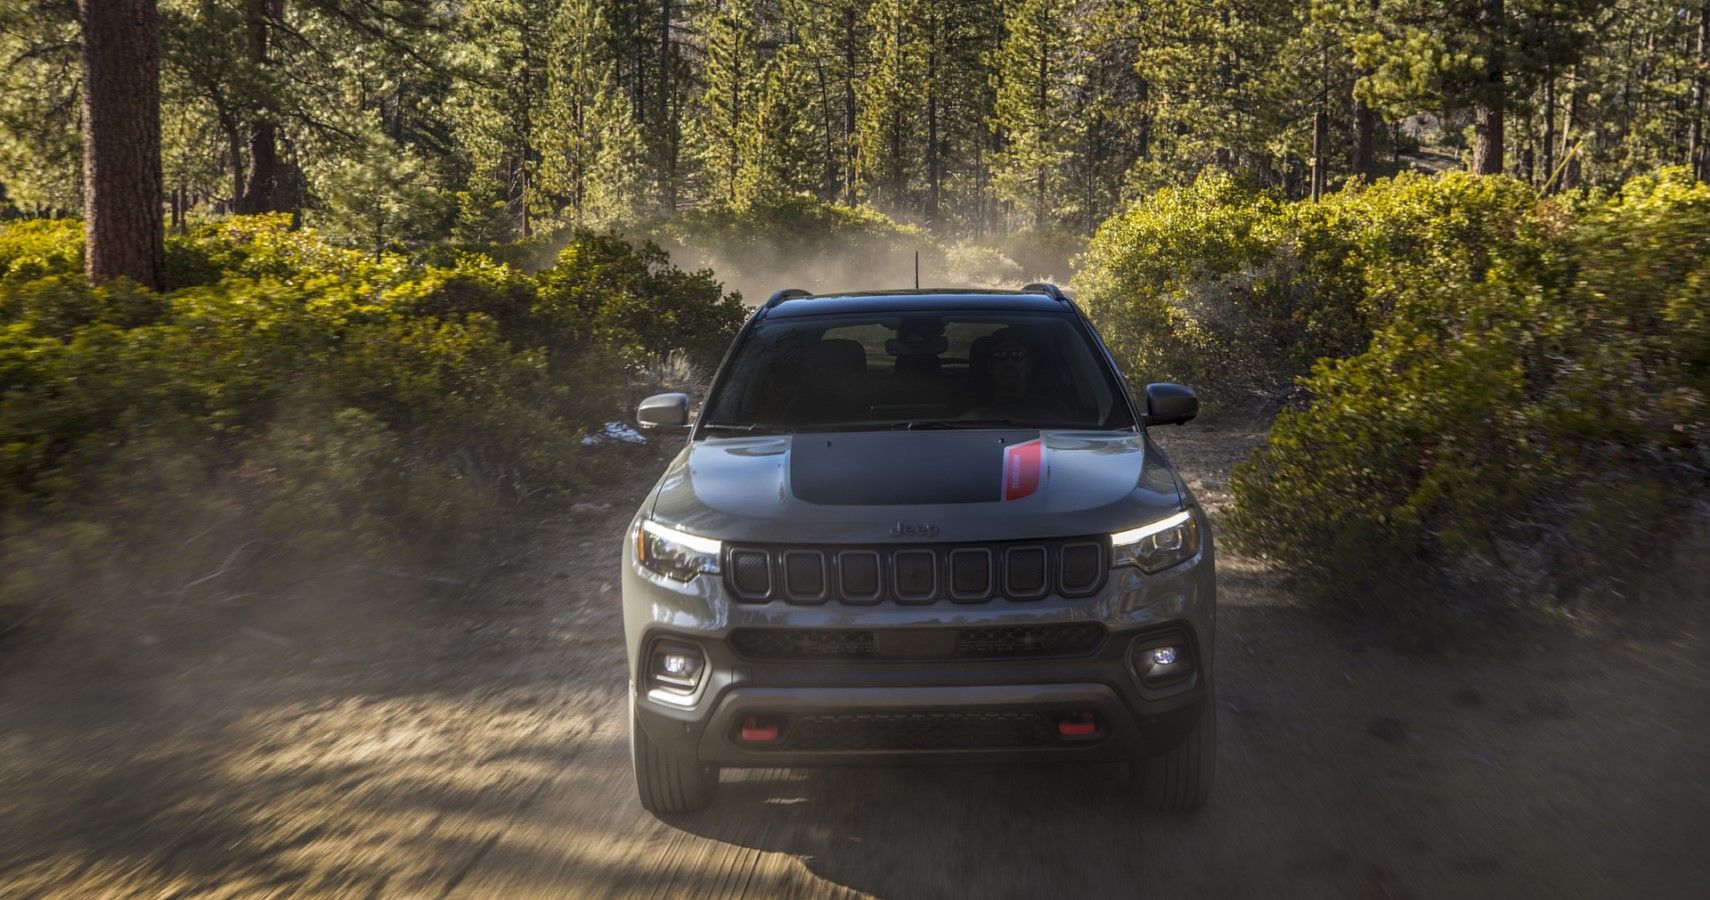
917	270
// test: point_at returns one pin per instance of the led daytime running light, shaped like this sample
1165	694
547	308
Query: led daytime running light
1145	531
699	544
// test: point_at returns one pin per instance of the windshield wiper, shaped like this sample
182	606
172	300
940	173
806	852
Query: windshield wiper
924	424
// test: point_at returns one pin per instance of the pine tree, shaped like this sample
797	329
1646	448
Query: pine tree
578	78
781	158
499	103
888	122
1031	113
734	79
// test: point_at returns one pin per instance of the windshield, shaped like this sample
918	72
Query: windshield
918	370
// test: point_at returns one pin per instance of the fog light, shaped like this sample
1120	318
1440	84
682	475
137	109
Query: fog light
675	668
1161	666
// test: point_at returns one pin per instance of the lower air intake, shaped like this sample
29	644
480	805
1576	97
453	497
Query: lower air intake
904	731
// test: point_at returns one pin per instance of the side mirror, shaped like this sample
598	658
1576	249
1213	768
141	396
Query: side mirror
1170	404
663	411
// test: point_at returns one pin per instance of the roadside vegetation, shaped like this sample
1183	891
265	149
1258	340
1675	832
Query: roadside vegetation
286	400
1489	396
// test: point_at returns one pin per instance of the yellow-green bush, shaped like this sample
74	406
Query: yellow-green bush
294	394
1528	419
1222	286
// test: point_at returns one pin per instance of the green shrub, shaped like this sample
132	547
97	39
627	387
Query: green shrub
34	248
296	396
1527	420
1222	286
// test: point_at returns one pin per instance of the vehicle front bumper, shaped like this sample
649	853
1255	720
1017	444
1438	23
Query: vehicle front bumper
1133	721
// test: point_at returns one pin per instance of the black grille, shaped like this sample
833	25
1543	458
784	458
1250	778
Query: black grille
919	731
791	643
918	573
1082	569
1024	572
1073	639
858	571
992	642
750	573
804	576
970	573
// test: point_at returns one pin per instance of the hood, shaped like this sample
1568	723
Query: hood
890	486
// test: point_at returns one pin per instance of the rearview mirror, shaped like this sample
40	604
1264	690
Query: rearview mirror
663	411
1170	404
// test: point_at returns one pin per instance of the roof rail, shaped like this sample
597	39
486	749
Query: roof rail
1048	289
785	294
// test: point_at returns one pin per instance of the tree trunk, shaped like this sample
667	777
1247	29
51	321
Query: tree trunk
1696	156
270	187
1318	142
1547	162
121	142
667	128
932	161
1360	135
1492	96
1569	164
1044	99
849	105
1362	129
828	183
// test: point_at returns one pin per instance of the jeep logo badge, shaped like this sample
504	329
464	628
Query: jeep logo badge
903	529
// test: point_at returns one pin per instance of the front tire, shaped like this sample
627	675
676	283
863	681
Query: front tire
1180	779
667	783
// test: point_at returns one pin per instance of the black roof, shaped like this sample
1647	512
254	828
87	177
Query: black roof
788	304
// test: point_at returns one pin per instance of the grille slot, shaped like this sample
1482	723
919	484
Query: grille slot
858	574
804	576
751	574
971	574
1024	573
919	731
916	574
1081	569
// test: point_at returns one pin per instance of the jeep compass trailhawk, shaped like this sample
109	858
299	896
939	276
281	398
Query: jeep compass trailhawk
919	527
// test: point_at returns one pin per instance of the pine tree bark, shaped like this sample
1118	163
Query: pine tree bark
270	188
667	126
849	105
1360	137
1548	161
123	224
1696	156
1492	99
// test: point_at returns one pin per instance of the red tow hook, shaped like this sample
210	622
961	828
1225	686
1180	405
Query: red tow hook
756	732
1077	725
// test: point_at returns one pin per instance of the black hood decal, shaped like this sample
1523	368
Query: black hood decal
892	468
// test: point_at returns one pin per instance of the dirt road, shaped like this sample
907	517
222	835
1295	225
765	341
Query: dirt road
424	738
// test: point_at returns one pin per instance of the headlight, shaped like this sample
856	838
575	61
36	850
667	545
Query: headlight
673	553
1158	545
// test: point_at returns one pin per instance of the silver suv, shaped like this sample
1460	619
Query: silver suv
919	527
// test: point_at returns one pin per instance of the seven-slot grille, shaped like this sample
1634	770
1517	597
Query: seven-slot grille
917	574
